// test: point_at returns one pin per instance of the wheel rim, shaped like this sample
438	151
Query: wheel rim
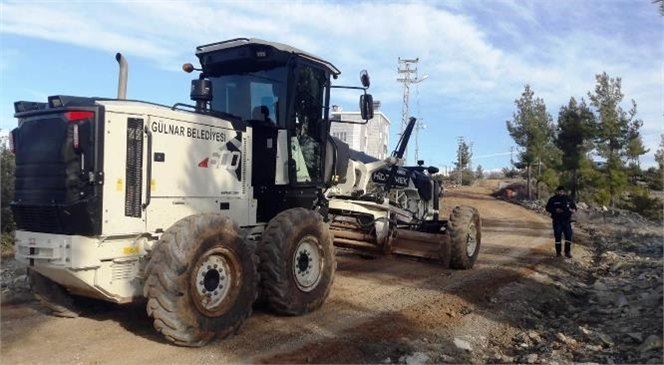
307	263
215	281
471	244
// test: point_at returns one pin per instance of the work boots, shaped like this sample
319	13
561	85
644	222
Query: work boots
558	249
568	249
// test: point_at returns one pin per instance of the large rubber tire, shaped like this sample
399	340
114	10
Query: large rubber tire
297	262
52	295
465	229
201	280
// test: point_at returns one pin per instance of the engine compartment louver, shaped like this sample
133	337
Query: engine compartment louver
134	176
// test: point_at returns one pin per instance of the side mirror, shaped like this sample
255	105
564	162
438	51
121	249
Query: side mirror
433	170
366	106
364	78
188	67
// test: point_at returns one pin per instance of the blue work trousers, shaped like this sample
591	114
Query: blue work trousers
560	228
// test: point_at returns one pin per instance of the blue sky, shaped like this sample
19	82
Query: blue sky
478	55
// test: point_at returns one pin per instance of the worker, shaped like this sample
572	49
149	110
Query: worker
561	208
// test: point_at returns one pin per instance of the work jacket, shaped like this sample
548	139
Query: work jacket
563	202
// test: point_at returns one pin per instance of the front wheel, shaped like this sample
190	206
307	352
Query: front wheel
465	230
297	262
201	280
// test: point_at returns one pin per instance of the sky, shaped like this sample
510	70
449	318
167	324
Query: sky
477	56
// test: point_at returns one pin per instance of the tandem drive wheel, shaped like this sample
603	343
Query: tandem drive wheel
297	262
201	280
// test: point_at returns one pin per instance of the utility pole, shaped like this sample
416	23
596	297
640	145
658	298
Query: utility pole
407	70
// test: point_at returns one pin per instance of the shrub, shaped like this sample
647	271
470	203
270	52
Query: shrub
654	178
7	243
638	200
651	208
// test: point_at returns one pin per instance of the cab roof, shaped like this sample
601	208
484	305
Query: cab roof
238	42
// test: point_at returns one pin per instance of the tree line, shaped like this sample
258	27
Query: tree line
594	148
7	167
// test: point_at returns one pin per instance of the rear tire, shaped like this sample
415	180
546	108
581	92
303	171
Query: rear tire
52	295
465	236
297	262
201	280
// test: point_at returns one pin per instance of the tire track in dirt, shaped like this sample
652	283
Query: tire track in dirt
514	240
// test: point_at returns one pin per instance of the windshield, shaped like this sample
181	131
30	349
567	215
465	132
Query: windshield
308	113
257	96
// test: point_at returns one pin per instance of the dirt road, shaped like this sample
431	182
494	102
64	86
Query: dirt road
379	311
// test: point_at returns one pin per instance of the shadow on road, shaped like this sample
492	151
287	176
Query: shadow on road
492	223
426	325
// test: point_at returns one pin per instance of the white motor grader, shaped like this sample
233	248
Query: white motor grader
201	209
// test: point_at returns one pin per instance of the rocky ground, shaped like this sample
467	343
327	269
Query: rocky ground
13	280
603	306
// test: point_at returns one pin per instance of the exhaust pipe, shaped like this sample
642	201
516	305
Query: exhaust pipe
122	78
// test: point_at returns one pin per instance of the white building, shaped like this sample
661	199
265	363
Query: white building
372	138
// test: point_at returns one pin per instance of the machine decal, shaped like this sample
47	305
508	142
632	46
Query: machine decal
401	179
228	157
131	250
204	163
208	134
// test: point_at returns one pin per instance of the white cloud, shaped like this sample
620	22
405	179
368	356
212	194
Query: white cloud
476	55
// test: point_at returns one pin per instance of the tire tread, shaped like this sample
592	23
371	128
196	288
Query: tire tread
167	275
274	267
460	220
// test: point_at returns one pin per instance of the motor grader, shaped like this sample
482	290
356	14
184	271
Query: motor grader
382	207
201	209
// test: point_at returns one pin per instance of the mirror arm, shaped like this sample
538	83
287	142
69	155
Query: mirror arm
364	90
348	121
349	87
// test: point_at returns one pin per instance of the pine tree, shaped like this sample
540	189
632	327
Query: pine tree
479	172
616	127
574	135
635	147
660	4
464	155
659	154
531	128
464	160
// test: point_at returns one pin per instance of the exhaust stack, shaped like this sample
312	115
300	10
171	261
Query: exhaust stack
122	77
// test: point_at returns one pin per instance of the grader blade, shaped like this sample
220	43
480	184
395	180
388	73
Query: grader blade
430	247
